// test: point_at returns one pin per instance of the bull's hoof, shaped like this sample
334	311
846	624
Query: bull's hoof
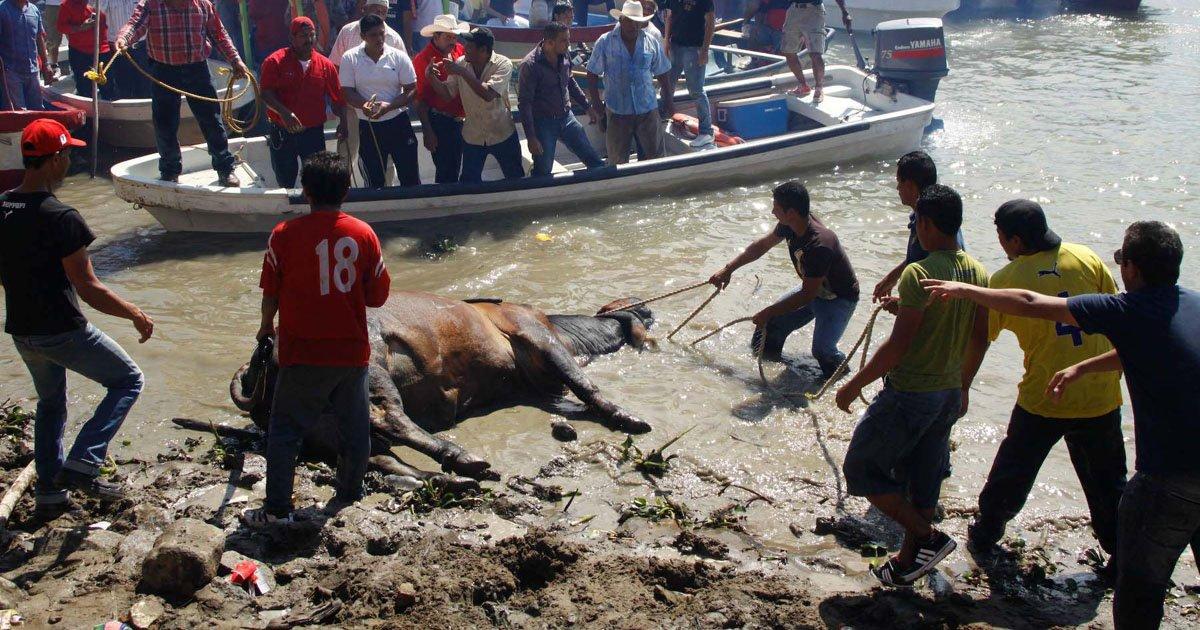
563	431
463	463
629	424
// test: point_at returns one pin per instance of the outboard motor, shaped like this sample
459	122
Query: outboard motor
911	55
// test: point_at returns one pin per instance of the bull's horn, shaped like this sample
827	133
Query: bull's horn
243	402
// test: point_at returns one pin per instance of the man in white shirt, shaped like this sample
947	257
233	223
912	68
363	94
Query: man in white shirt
481	79
379	80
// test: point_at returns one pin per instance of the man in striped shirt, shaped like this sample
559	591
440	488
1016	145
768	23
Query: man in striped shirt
177	35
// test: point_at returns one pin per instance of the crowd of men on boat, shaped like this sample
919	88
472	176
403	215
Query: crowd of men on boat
457	84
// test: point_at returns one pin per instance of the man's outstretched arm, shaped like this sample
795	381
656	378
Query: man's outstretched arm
1008	301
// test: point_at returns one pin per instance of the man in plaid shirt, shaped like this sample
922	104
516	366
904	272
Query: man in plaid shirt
177	35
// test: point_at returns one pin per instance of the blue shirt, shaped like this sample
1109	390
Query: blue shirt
628	80
1156	332
19	31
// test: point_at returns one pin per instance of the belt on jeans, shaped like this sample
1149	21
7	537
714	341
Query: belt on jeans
446	115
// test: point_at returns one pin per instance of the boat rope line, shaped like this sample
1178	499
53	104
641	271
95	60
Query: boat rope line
694	313
99	76
664	296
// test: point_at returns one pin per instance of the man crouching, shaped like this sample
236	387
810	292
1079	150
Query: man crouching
320	273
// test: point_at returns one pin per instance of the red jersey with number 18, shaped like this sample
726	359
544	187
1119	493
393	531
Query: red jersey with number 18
326	268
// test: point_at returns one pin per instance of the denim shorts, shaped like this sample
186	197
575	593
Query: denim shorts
902	445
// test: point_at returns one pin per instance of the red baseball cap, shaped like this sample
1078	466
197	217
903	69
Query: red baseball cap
46	136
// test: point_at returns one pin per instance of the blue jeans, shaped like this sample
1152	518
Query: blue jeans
164	107
447	160
92	354
231	19
581	9
571	132
22	92
506	152
288	151
419	42
831	317
686	60
902	445
130	82
80	63
303	393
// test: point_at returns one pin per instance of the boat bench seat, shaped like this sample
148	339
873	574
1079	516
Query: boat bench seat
836	108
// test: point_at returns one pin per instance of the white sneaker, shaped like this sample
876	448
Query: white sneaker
702	140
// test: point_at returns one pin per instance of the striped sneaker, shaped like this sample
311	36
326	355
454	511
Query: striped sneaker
931	551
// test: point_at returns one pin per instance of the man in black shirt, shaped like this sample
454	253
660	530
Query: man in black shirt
45	268
828	294
689	32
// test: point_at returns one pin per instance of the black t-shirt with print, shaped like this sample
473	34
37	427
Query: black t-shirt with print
818	254
36	232
687	21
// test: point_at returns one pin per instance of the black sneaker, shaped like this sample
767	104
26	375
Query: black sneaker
94	487
931	551
45	512
981	539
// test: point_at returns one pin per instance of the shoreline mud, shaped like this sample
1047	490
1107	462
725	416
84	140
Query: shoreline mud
525	552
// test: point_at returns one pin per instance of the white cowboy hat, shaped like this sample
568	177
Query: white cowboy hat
378	3
445	24
632	9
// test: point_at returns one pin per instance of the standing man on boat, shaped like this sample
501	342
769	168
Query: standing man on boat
804	25
629	61
131	83
23	53
545	91
1088	416
915	171
296	82
690	25
178	34
900	450
441	118
400	19
379	80
1152	327
481	79
828	293
320	273
77	20
45	270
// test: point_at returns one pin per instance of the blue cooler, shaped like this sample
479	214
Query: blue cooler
754	117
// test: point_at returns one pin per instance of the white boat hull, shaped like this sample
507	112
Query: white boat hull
867	14
128	122
196	205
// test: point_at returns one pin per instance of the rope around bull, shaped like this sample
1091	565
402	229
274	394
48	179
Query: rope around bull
99	76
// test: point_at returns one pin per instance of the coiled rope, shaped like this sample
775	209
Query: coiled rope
99	76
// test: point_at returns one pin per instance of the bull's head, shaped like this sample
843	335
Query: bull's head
253	385
635	322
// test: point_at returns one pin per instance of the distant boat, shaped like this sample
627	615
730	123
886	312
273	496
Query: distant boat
866	14
128	122
11	125
854	121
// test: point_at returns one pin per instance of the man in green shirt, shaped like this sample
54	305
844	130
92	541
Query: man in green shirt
900	450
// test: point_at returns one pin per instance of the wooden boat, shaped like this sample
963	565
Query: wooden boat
127	122
866	14
854	121
12	123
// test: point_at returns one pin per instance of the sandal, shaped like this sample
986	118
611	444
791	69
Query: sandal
800	90
259	518
890	574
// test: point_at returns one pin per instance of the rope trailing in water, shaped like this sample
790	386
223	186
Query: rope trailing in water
864	340
694	313
663	296
732	323
99	76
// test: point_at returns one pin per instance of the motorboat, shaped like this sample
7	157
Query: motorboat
12	123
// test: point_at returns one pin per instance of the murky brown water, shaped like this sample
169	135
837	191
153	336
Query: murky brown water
1094	117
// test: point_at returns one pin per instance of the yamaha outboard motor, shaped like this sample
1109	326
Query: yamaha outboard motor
911	55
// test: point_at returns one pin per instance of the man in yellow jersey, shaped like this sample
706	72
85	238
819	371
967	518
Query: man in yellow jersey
1087	416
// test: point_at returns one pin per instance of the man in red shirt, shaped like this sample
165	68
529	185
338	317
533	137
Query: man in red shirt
320	273
77	21
295	82
177	39
441	119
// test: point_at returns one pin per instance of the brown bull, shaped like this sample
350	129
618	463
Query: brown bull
435	361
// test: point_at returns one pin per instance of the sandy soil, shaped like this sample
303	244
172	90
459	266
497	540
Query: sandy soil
523	553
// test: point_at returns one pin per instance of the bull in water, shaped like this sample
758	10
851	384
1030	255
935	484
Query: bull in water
435	361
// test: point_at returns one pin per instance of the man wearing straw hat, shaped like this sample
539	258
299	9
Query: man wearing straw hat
441	118
628	60
177	37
